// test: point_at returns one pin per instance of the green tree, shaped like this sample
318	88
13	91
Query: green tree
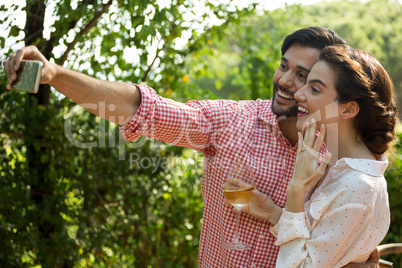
72	193
245	56
374	26
246	51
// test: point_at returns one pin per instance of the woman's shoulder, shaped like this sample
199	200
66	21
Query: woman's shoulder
352	184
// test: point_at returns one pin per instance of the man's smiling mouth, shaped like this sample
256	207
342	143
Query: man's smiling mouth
285	95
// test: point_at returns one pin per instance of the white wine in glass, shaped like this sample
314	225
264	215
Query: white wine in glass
239	197
238	190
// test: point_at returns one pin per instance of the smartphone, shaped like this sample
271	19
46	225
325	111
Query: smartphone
28	76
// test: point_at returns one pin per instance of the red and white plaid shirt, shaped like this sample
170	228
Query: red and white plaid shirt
224	131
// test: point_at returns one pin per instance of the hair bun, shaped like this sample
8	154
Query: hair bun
380	136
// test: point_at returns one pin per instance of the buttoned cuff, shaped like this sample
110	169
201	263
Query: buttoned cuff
274	229
291	226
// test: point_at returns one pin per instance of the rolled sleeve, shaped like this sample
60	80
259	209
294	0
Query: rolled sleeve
292	236
165	120
135	128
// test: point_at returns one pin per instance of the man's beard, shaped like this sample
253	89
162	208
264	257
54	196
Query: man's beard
291	111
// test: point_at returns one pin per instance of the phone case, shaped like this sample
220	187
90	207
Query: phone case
28	76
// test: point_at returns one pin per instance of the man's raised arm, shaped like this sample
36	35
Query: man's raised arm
114	101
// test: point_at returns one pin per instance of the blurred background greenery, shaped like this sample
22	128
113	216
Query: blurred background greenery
73	193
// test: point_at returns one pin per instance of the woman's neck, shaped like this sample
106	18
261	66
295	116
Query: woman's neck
344	142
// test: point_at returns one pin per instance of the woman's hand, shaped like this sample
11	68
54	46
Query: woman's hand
264	208
261	207
307	172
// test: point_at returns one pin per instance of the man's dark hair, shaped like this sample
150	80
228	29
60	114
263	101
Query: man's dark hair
314	37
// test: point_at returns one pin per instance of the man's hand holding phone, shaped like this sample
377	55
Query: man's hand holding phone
28	76
26	68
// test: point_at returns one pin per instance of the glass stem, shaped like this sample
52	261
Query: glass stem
236	238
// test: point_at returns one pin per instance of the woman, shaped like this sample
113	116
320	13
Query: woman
338	213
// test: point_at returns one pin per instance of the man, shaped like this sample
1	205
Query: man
261	132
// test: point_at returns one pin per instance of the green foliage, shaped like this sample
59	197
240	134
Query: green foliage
374	27
241	62
393	176
244	60
74	194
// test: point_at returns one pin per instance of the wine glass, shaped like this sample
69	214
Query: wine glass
237	189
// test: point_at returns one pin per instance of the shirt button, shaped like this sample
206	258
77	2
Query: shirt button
284	180
261	236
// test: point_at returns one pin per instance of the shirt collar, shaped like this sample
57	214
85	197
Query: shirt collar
266	114
371	167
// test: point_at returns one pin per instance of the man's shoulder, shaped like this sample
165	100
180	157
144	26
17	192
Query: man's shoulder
258	104
265	112
240	105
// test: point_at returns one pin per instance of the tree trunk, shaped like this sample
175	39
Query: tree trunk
48	222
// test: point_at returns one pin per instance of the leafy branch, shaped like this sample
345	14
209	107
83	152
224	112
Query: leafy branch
85	30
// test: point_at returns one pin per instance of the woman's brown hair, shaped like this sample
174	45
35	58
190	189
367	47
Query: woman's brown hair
361	78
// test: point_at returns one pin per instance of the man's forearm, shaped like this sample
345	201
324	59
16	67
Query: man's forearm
114	101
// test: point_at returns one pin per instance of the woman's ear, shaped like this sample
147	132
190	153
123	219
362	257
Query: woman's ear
350	110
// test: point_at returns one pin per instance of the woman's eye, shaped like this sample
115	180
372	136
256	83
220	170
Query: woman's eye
314	90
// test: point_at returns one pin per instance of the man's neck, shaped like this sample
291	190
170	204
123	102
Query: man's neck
288	128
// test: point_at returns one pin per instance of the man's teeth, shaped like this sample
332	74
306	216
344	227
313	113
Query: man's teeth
285	95
303	110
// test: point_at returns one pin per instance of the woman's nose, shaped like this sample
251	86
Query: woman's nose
299	95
